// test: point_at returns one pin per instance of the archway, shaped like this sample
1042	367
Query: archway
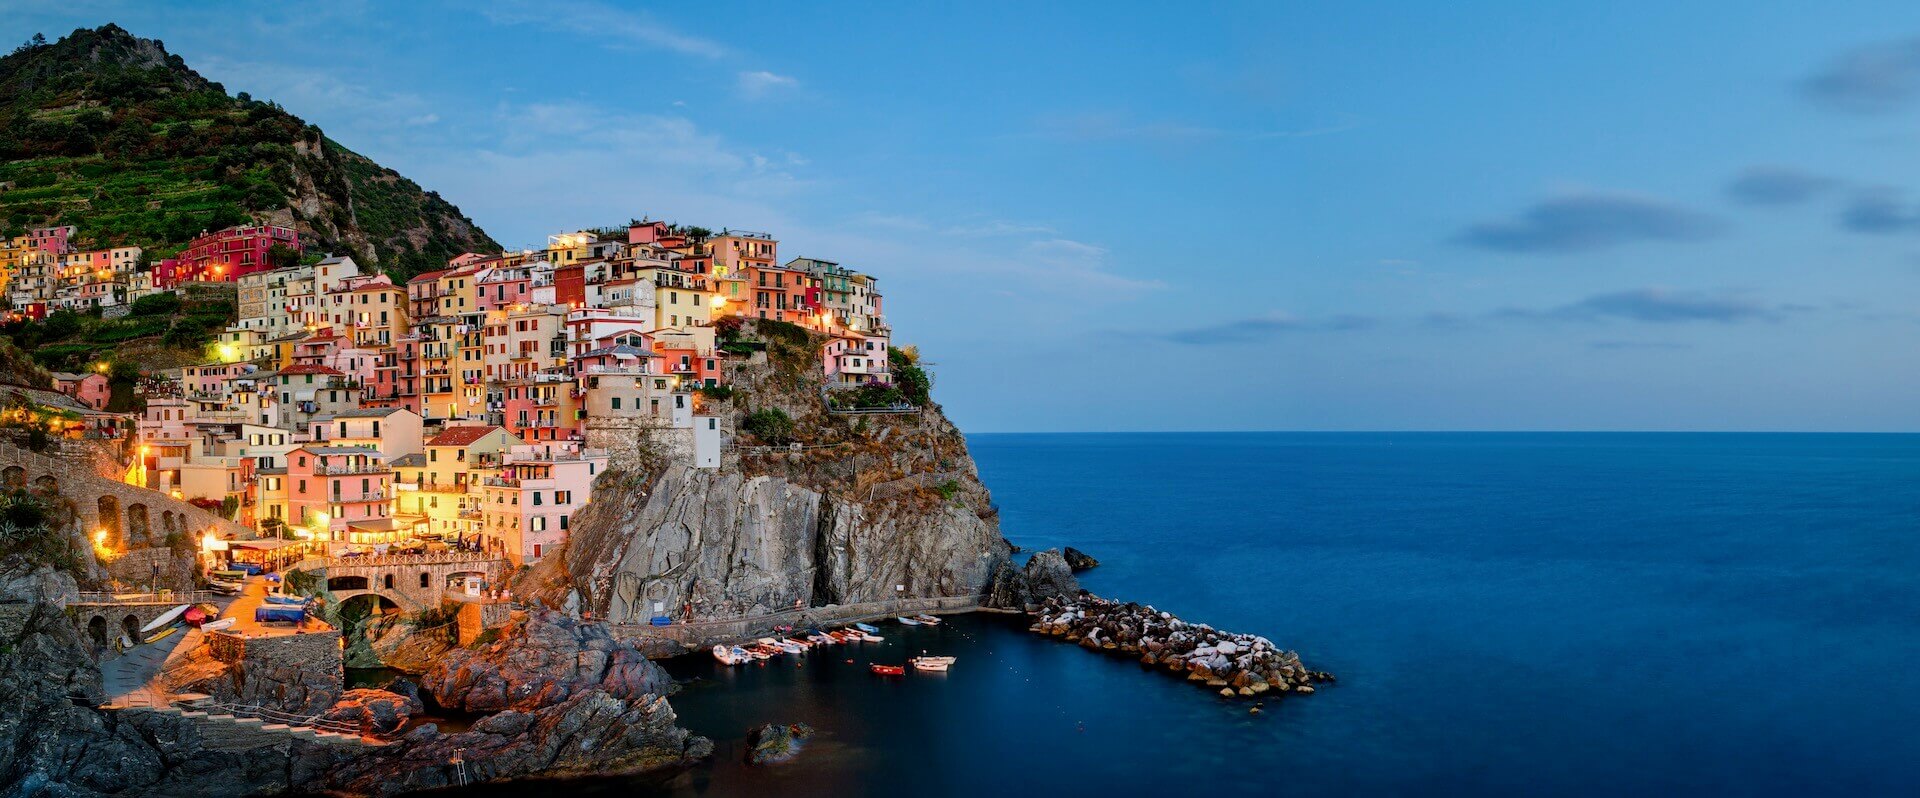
97	631
167	520
342	583
109	507
387	582
13	478
368	604
47	485
139	529
131	626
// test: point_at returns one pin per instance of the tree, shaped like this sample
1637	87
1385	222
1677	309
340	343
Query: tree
771	425
282	256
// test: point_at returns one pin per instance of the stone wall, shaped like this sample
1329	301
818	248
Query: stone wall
638	443
297	673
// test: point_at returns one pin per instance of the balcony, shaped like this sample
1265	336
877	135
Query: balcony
502	482
359	498
351	470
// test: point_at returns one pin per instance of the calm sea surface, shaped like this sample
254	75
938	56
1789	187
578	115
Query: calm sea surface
1597	614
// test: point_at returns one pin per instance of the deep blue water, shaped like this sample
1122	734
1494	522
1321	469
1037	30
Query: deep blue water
1596	614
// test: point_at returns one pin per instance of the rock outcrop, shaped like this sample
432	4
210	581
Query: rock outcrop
1078	560
543	659
776	742
373	711
1046	575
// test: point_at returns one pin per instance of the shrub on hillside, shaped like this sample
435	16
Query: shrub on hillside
771	425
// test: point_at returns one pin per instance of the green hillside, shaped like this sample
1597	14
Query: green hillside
116	136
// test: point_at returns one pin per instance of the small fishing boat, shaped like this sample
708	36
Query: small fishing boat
941	660
226	588
215	626
802	643
927	619
871	637
887	670
928	664
276	598
820	638
867	627
907	621
787	646
165	618
730	655
162	634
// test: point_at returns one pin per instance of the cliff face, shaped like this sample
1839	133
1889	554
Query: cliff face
873	507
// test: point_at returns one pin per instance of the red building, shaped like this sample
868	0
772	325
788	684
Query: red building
223	256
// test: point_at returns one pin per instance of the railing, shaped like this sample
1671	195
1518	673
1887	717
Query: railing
162	597
748	625
276	716
369	496
351	470
377	560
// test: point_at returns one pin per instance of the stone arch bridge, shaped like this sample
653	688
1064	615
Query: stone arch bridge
134	517
412	582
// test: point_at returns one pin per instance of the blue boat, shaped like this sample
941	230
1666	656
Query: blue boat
868	628
279	613
273	598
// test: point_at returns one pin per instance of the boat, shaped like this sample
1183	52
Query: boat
272	613
907	621
927	619
730	655
803	643
928	664
941	660
871	637
276	598
162	634
226	588
215	626
867	627
887	670
782	645
820	638
165	618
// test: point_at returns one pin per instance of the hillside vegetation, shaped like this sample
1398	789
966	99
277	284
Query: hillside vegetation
116	136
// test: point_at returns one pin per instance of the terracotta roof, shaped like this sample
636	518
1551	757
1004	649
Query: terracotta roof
461	436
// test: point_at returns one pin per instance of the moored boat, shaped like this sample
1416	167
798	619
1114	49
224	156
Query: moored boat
867	627
929	620
871	637
165	618
928	664
941	660
907	621
730	655
887	670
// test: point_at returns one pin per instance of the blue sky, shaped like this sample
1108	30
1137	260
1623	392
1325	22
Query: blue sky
1242	216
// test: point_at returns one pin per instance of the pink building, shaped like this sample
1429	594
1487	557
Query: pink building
89	389
331	489
223	256
528	508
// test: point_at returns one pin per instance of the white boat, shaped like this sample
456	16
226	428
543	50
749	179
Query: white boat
927	619
867	627
165	618
941	660
731	655
215	626
820	639
870	637
928	664
908	621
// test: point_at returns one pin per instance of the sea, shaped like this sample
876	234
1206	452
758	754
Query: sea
1507	614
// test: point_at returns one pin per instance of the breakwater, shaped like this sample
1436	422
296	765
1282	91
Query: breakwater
1236	665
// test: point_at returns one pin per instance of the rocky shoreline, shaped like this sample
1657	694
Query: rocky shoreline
1238	665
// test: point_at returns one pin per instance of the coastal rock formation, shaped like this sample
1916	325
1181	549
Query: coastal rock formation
591	733
23	579
1234	664
776	742
373	711
541	660
1078	560
1046	575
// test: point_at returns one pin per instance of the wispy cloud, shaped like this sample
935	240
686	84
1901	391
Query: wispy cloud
997	228
1588	221
1657	305
1879	210
1777	185
1637	346
761	84
1261	328
1872	79
601	24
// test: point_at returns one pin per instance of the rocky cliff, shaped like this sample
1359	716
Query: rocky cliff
869	507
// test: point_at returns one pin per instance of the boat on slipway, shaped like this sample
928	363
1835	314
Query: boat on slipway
731	655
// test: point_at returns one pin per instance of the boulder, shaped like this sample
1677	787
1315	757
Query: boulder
1078	560
1046	575
776	742
541	659
370	710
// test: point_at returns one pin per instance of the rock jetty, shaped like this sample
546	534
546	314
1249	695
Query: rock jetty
776	742
1235	665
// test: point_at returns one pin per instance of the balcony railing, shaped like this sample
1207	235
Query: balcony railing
353	498
350	470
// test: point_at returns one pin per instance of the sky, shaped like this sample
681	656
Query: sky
1261	216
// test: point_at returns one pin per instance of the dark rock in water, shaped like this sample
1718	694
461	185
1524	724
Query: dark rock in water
1046	575
1234	665
375	711
541	660
1078	560
776	742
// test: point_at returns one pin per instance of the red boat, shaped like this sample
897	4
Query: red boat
888	670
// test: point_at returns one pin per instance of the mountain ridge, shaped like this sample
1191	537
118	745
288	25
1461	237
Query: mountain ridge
117	136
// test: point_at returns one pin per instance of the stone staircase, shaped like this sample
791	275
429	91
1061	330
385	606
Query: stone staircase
224	727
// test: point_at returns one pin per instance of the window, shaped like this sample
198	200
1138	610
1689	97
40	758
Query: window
424	579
